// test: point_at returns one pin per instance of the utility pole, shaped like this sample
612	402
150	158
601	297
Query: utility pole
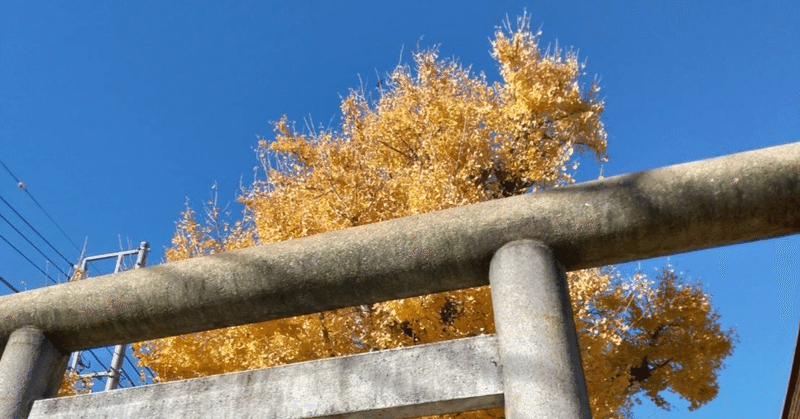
119	351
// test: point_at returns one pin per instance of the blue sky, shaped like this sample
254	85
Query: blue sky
113	113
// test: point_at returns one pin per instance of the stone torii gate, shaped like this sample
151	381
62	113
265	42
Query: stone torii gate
520	245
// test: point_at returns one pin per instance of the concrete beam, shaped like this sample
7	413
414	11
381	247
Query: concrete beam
433	379
30	369
716	202
538	346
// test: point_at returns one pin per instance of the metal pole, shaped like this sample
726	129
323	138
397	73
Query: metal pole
141	258
30	369
542	372
116	364
119	351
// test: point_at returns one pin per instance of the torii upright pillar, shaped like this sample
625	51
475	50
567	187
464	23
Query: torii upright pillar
30	369
542	371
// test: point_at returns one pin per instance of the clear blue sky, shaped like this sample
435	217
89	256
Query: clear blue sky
113	113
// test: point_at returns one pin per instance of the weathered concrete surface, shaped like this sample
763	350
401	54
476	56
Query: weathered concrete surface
721	201
400	383
30	369
538	346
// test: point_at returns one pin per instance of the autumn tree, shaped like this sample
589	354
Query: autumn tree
436	137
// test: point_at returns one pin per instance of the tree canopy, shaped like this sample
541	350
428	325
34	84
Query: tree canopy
440	136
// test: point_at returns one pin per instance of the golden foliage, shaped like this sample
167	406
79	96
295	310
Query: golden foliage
436	138
73	384
643	336
69	384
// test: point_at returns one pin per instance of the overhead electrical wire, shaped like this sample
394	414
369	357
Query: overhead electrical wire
28	259
8	284
122	367
152	374
24	188
35	231
34	246
125	373
98	360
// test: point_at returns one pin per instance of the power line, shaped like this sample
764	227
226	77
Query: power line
26	258
24	188
125	373
9	172
122	368
34	246
8	284
35	231
125	357
152	374
98	360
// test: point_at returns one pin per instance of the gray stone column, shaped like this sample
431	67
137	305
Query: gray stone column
30	369
542	372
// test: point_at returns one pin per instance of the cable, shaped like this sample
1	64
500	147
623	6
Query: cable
26	258
107	370
34	246
35	231
98	360
8	284
125	357
12	175
122	367
24	188
134	366
125	373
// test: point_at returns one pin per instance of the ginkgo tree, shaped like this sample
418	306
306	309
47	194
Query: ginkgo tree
436	137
